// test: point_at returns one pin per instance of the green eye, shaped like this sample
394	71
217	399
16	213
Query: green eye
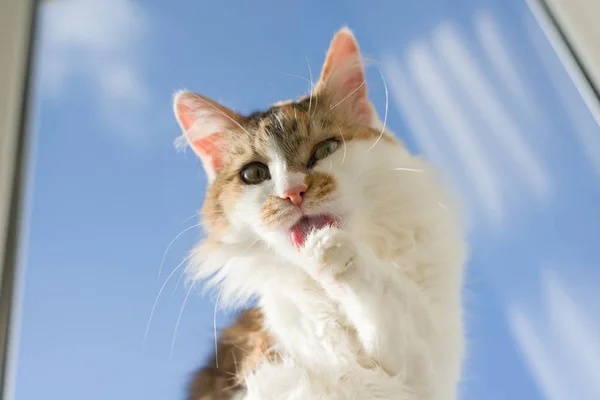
255	173
323	150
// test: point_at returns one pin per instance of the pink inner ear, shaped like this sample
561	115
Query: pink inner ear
343	51
209	148
186	116
353	81
344	78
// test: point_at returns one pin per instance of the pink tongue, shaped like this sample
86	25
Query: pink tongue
300	231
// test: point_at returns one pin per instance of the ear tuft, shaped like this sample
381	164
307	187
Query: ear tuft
180	143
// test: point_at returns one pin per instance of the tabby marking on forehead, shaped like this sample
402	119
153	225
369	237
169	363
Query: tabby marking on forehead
284	128
285	134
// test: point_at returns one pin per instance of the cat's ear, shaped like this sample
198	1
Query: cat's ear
343	78
205	125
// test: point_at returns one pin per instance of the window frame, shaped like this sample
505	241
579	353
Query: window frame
571	40
17	24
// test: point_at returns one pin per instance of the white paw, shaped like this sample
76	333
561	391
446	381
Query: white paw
330	252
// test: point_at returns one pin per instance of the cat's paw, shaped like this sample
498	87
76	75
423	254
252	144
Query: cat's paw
330	252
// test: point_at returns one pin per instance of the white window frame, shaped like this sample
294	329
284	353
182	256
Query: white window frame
17	21
576	40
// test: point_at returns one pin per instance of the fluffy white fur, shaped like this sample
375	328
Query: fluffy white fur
374	307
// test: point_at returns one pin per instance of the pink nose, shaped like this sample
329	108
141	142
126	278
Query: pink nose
295	195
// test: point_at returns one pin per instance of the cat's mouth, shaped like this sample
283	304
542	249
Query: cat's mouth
307	224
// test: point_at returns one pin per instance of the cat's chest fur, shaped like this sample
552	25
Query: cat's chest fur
308	324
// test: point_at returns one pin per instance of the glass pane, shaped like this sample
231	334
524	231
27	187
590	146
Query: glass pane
474	85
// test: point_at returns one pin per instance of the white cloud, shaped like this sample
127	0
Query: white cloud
450	101
96	44
499	124
560	342
576	330
541	362
407	101
411	106
459	130
505	65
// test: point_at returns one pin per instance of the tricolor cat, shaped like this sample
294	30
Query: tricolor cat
351	245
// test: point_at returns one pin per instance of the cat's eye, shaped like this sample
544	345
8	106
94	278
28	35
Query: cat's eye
255	173
323	150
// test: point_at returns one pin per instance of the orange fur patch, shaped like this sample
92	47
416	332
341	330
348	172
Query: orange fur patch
240	349
275	210
320	187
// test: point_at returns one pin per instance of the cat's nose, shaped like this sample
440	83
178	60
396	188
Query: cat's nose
295	195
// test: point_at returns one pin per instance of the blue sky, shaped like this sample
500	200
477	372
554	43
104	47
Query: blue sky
474	85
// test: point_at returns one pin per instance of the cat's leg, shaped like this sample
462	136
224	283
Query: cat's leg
282	381
387	309
290	381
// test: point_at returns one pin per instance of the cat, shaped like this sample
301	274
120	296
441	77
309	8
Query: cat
352	246
240	347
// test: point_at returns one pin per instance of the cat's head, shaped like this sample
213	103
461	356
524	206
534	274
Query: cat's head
275	175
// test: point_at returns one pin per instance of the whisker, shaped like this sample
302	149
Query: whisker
215	328
387	98
225	115
225	213
442	205
409	169
158	296
179	320
170	244
296	76
311	87
347	97
236	375
242	349
315	108
251	245
401	169
233	374
234	384
179	280
190	217
235	361
344	142
224	218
